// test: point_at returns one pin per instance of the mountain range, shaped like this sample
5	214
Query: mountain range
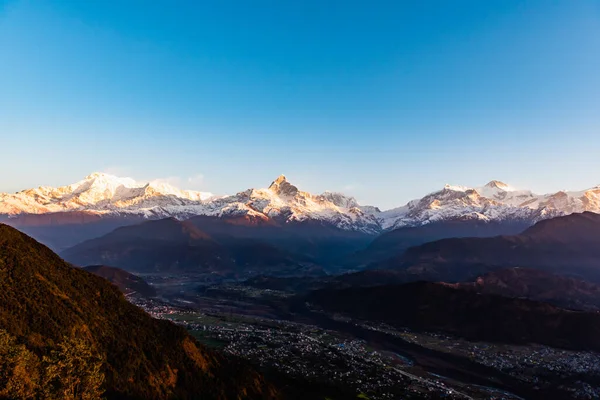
105	195
568	245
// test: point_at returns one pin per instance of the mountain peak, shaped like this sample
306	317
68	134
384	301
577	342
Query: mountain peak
281	186
497	185
104	179
95	175
280	179
455	188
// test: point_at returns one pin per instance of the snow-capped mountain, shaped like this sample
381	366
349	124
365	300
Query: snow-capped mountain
105	194
100	193
495	201
284	202
110	195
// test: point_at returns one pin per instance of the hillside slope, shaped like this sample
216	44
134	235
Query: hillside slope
45	302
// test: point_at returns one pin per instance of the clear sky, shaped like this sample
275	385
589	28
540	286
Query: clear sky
384	100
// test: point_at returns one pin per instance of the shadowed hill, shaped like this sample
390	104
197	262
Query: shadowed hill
168	230
307	240
44	300
397	241
166	245
567	245
538	285
174	246
438	307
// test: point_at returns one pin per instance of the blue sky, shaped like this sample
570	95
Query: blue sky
384	100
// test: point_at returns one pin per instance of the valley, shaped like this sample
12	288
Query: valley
333	352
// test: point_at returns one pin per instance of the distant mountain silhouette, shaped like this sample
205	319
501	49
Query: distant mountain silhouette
169	245
309	240
62	230
396	242
44	301
166	245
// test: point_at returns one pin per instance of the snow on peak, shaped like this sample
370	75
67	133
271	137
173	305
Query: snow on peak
340	199
101	182
496	201
98	192
107	194
110	195
456	188
96	175
498	185
280	179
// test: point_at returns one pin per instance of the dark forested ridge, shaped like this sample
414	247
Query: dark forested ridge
533	284
483	317
49	310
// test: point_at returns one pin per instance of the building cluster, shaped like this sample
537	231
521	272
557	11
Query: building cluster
310	353
537	365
